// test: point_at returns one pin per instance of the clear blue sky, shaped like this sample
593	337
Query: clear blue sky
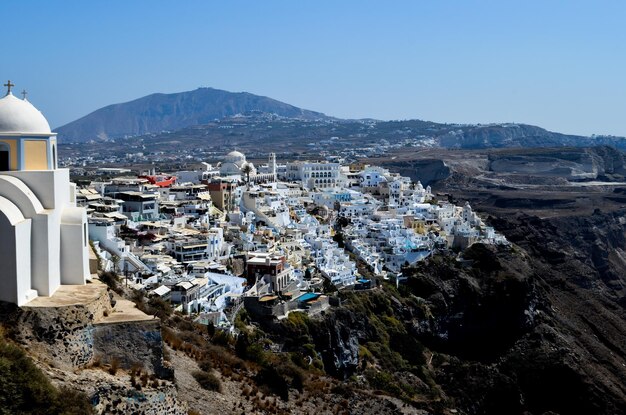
557	64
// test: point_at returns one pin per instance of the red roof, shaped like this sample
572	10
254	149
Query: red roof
161	181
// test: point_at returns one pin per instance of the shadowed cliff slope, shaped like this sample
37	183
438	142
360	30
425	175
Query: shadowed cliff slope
539	327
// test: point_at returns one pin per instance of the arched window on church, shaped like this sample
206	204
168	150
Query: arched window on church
5	153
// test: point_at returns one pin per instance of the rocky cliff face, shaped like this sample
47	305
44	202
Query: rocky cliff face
519	166
335	336
77	333
536	328
578	346
517	136
427	171
570	163
477	308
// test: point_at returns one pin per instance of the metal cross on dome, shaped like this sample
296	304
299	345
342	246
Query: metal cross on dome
9	85
24	93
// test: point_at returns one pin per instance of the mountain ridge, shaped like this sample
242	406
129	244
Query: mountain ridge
166	112
177	114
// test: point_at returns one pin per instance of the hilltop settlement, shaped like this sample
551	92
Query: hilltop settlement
269	237
276	273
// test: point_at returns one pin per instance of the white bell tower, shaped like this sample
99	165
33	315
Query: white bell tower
272	165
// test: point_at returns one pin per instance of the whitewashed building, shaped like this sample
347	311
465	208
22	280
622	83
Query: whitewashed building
313	175
43	235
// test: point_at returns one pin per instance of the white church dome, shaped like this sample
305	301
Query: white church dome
233	162
20	116
235	157
236	154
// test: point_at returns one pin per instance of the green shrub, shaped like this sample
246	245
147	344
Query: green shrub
205	364
299	360
241	321
24	389
110	279
221	338
207	380
383	381
159	307
277	384
299	321
387	358
255	353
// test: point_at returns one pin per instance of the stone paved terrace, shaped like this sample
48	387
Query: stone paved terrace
124	311
90	293
70	295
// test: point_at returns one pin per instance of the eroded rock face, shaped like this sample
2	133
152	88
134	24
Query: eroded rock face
339	343
569	163
119	399
532	328
426	171
530	331
62	334
478	307
132	344
571	358
535	328
68	333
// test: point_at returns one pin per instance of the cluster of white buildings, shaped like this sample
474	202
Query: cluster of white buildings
408	224
211	239
271	232
218	238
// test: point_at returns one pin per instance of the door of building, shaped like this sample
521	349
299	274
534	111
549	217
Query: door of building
4	160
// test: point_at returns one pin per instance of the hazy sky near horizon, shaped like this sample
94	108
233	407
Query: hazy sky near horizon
557	64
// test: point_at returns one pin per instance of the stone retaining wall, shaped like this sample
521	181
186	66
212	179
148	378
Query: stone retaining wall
70	330
63	335
76	335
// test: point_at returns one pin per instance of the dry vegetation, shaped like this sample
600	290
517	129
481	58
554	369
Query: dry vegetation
24	389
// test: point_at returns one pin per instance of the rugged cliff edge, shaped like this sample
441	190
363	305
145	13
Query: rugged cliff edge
110	354
539	327
535	328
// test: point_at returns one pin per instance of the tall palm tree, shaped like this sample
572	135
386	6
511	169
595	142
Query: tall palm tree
247	170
